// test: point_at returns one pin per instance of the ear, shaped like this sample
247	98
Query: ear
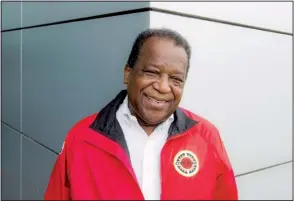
127	74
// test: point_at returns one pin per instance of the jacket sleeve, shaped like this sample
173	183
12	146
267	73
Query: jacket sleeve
58	186
226	187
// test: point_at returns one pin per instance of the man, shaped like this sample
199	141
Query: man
142	145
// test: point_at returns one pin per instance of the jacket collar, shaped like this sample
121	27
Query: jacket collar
107	124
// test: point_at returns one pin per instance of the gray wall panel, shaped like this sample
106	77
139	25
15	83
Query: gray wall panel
10	156
37	164
73	70
46	12
11	15
10	76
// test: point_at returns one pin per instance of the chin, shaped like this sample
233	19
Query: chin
155	119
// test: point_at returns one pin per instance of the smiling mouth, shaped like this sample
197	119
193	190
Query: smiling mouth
155	100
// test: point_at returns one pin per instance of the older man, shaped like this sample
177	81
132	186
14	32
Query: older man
142	145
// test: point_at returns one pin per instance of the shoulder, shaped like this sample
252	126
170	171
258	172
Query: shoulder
209	132
204	127
79	128
200	121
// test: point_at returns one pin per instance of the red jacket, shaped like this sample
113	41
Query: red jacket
94	163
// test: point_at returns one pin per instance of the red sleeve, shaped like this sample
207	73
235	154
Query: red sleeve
58	186
226	187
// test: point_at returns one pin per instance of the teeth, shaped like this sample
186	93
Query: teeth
156	101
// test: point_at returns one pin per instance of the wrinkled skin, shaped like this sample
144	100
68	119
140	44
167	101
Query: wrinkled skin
155	84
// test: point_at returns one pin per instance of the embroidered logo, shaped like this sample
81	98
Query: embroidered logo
186	163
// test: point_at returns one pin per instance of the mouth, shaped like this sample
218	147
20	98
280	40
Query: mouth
156	103
156	100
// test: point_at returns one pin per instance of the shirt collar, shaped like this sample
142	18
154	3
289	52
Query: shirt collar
131	119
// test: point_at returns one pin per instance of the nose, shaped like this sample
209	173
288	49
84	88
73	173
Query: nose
162	84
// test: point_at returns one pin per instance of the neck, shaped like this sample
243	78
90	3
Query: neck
147	127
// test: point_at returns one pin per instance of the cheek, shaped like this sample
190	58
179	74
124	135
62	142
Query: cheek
178	92
143	83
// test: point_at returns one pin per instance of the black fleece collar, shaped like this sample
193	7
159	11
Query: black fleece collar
107	124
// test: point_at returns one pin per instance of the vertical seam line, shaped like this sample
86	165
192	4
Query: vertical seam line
21	147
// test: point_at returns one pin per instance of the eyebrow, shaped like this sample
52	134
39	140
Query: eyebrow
174	71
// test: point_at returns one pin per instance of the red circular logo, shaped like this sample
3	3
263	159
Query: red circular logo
186	163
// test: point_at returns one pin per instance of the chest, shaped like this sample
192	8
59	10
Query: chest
187	170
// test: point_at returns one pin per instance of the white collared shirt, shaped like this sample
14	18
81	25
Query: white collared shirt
144	150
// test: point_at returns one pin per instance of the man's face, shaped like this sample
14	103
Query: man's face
155	84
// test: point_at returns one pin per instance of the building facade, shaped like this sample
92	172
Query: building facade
62	61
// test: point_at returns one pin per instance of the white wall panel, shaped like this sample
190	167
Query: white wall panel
240	79
271	15
270	184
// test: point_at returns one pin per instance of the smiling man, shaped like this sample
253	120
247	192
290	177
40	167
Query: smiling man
142	145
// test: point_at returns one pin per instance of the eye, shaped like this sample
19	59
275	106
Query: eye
177	80
150	72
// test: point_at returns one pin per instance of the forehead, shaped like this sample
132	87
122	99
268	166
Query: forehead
162	50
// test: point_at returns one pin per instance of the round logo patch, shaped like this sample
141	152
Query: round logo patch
186	163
